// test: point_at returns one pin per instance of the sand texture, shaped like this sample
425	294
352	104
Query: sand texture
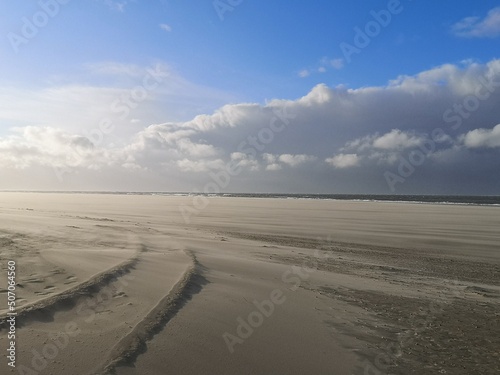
123	284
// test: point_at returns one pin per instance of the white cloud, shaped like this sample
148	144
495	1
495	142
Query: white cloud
483	138
269	158
117	5
397	140
320	94
186	165
230	116
476	27
273	167
295	160
276	162
337	63
323	66
121	69
198	150
304	73
342	161
49	147
244	161
165	27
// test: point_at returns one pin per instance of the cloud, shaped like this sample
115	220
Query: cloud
337	63
186	165
295	160
244	161
49	147
117	5
304	73
397	140
323	66
272	162
331	136
388	148
273	167
120	69
342	161
165	27
476	27
114	92
483	138
276	162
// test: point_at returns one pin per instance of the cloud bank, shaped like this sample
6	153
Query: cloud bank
436	132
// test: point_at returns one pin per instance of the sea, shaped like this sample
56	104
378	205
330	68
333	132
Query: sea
479	200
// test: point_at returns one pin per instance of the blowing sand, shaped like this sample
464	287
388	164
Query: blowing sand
123	284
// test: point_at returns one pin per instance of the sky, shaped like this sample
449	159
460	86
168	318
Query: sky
296	96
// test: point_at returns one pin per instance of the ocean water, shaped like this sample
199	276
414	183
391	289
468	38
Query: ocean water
442	199
489	200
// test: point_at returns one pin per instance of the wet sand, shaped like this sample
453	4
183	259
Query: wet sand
124	284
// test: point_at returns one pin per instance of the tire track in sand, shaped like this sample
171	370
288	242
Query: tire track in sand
44	309
126	351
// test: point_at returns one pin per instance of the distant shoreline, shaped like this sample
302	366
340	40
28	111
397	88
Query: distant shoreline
480	200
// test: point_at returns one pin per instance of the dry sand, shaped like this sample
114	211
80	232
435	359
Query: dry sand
122	284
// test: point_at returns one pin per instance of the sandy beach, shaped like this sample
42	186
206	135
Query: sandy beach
123	284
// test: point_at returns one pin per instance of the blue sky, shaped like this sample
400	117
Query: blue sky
255	52
86	54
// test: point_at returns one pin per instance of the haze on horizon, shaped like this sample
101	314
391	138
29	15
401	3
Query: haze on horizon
367	97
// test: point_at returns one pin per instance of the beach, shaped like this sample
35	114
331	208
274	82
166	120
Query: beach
153	284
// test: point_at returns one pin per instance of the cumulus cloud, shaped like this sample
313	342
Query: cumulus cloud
242	160
276	162
344	161
295	160
187	165
477	27
394	140
483	138
273	167
311	140
397	140
48	147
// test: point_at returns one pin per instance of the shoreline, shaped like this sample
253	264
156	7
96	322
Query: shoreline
494	200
